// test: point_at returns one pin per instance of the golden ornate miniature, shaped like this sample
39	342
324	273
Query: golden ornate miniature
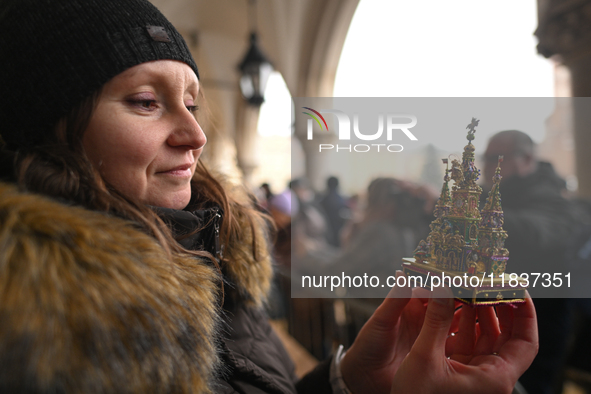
465	247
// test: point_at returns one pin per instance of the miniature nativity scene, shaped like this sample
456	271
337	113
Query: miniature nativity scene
465	248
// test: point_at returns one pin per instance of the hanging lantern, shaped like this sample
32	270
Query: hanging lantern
256	70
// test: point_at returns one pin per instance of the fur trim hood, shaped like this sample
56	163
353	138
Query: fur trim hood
90	304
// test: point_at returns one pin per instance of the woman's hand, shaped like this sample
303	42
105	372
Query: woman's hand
384	341
484	357
404	347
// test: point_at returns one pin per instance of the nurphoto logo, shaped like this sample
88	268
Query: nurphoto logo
393	124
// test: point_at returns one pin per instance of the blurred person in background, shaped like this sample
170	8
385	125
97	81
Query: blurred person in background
579	263
539	222
310	228
414	210
375	242
264	195
281	208
335	209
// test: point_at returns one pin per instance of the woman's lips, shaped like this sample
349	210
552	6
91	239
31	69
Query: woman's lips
179	171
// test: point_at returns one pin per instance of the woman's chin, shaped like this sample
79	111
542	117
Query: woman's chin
174	200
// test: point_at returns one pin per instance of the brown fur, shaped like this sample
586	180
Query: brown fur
90	304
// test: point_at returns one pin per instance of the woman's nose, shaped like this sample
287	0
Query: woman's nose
187	132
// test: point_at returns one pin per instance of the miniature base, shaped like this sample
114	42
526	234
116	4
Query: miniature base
488	291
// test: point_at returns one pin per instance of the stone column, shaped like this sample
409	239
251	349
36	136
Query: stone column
246	140
564	33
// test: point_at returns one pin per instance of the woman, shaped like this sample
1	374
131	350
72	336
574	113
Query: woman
126	267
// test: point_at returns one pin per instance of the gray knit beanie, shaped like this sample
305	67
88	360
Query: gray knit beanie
55	53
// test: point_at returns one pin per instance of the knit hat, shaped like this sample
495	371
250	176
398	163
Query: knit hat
55	53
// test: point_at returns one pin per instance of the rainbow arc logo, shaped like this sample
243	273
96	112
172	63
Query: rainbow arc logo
315	118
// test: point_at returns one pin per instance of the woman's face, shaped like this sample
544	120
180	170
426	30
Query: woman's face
143	136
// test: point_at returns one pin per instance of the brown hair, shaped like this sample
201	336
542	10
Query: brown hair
60	168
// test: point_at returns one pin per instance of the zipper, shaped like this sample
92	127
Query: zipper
219	249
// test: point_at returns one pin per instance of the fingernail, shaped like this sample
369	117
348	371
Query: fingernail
398	291
443	296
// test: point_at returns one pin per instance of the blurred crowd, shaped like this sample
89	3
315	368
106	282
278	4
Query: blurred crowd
389	217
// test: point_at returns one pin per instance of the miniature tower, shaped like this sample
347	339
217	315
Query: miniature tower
453	239
442	208
465	241
491	248
425	249
443	205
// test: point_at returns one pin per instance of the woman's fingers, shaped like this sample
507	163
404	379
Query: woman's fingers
430	343
426	368
377	338
374	349
388	313
505	316
463	341
455	323
489	331
521	348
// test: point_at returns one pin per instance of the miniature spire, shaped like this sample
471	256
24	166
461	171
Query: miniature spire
472	129
471	173
444	202
492	237
493	201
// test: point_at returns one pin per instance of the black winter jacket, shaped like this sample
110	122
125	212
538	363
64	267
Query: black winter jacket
254	359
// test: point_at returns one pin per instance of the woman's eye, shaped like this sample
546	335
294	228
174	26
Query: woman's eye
193	108
144	104
147	104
